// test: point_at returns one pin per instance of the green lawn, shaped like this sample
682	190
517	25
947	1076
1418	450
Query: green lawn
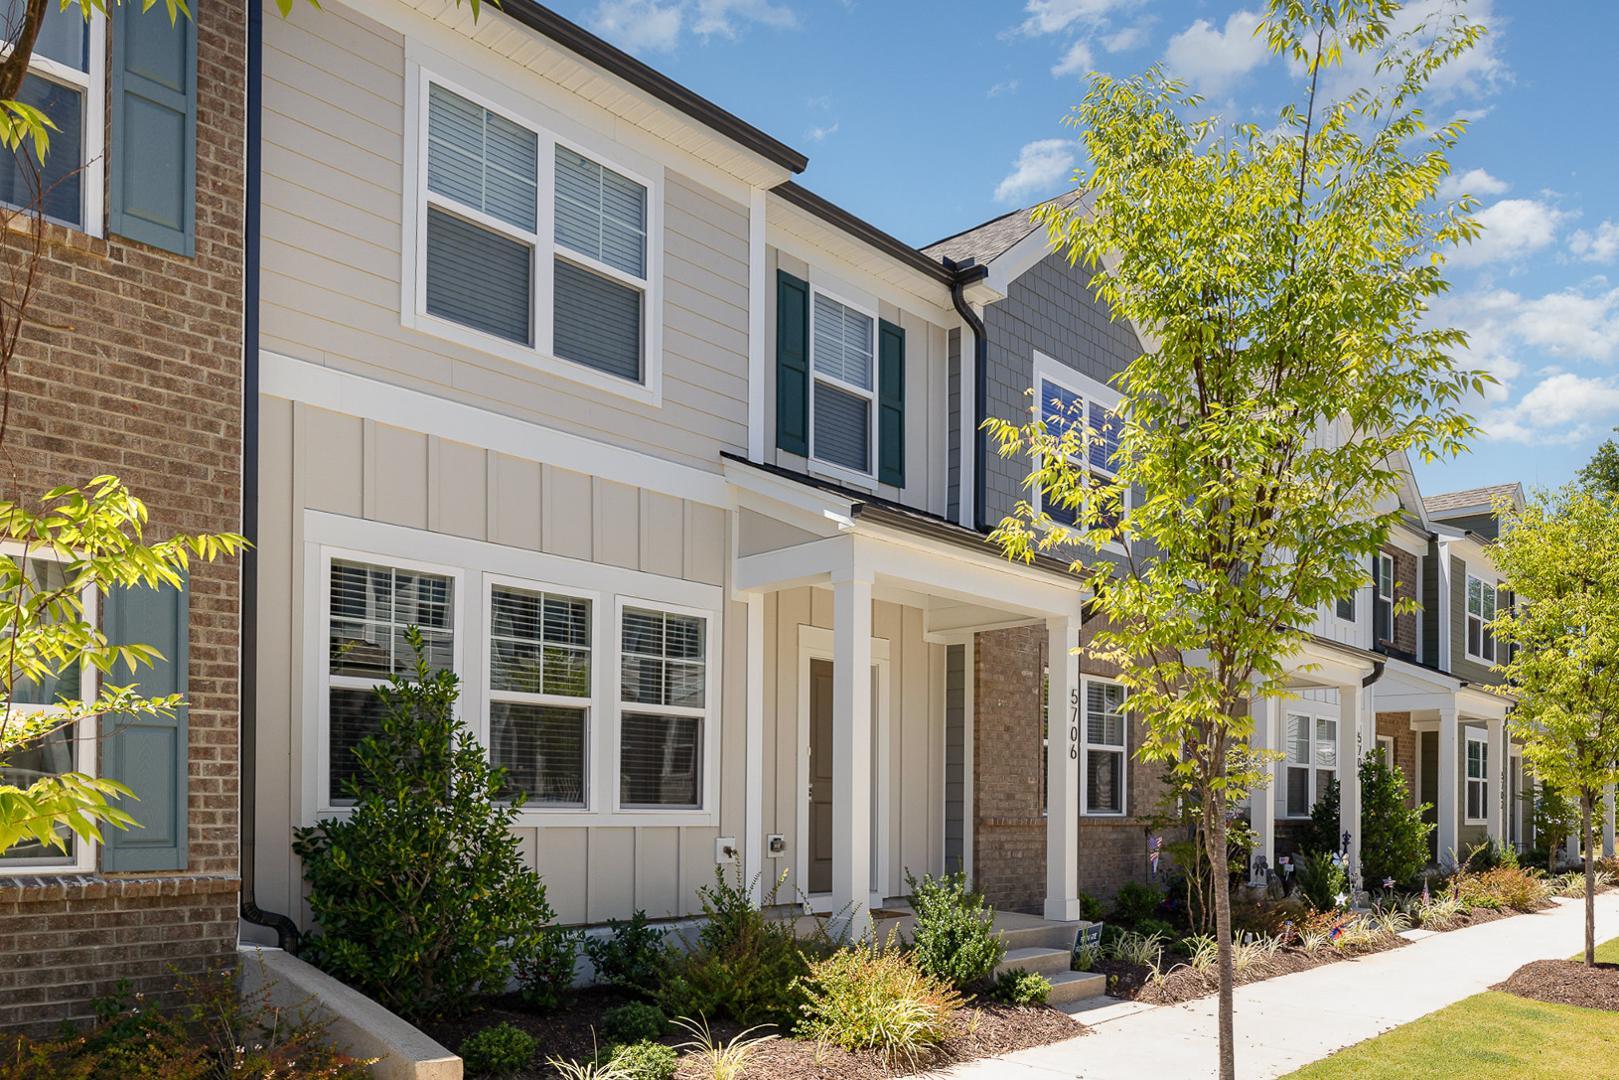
1607	952
1487	1036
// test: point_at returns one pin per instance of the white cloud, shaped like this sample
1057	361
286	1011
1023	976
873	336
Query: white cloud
821	134
1008	87
1572	324
1076	61
1562	408
1475	182
1599	246
1129	38
721	17
657	25
1513	228
1040	167
1055	16
1211	60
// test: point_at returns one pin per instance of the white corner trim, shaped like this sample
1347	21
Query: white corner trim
753	853
757	284
371	399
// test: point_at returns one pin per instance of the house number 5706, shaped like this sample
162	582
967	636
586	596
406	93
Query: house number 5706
1073	724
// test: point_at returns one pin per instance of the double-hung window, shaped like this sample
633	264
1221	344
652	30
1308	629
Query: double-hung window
1105	765
538	247
1345	608
1383	602
540	692
1311	762
843	350
62	749
663	708
1480	613
370	609
65	81
1478	776
1070	402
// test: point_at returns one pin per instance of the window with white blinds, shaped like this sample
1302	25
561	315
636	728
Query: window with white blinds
1477	807
540	692
843	345
538	244
663	708
66	81
1310	762
1070	402
1106	769
370	607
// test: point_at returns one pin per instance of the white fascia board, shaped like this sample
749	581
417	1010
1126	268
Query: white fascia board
1475	703
798	233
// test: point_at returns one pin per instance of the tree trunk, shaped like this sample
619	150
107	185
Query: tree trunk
1214	834
1587	801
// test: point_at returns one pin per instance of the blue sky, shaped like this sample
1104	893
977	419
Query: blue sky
928	116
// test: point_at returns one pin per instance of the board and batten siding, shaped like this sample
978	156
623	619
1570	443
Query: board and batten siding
320	460
927	390
333	206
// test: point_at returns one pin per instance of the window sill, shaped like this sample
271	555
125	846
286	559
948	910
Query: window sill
841	475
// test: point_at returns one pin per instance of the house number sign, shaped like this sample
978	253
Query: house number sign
1073	724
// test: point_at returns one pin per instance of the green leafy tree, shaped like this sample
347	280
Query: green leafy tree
75	542
1321	834
1280	276
421	893
1554	820
1561	552
1601	473
1393	836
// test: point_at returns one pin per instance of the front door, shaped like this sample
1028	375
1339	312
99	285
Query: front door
820	792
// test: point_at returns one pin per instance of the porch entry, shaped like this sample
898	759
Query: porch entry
820	843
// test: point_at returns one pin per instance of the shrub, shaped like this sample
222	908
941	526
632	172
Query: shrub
644	1060
720	1060
545	965
954	939
742	967
635	1022
1323	832
1090	908
865	998
421	893
1393	836
1484	855
631	956
497	1051
1553	821
1019	987
1502	887
1321	880
1136	903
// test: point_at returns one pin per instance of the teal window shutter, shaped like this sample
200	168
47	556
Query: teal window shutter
148	754
792	364
152	152
890	404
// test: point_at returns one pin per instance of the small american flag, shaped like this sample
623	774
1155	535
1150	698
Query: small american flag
1155	851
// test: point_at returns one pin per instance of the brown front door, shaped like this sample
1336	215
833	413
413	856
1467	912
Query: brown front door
820	793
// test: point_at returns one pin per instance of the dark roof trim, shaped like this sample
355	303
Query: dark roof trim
862	230
577	39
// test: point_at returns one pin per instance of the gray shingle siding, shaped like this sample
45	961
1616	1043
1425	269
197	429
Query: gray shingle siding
1049	309
1430	609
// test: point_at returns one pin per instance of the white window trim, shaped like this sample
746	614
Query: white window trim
1385	743
1086	746
328	536
707	781
1383	559
1089	391
831	469
420	75
1474	735
1313	712
1468	616
93	85
590	703
84	734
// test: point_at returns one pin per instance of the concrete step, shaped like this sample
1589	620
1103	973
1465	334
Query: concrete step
1050	935
1044	961
1071	986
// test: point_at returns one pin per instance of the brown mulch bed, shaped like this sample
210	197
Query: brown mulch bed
1130	982
1566	982
983	1029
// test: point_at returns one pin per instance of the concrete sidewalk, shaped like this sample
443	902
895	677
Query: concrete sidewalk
1289	1021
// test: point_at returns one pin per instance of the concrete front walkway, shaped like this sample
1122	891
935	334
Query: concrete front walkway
1289	1021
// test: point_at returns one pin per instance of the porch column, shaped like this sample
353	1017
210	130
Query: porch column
753	832
1349	740
1262	801
851	755
1607	823
1449	782
1495	812
1062	771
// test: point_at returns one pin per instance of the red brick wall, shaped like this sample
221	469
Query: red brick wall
1406	587
1009	828
132	365
1398	726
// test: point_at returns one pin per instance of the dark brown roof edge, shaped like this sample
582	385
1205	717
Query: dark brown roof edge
888	244
577	39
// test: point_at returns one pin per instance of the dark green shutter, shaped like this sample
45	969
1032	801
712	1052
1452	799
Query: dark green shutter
152	173
890	404
792	364
148	753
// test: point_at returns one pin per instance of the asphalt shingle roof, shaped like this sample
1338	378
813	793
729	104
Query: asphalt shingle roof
981	243
1438	505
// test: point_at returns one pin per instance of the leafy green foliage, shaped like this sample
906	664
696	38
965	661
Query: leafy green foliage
744	966
1090	908
878	999
544	966
1601	473
954	939
632	955
1554	819
421	893
1136	903
77	541
715	1058
644	1060
1323	832
1020	987
497	1050
1321	880
1393	836
1500	888
634	1022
